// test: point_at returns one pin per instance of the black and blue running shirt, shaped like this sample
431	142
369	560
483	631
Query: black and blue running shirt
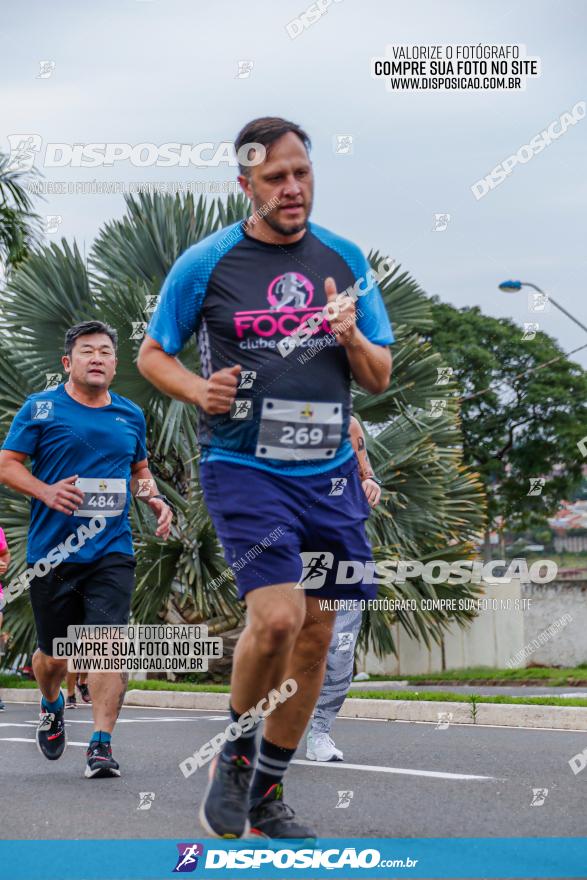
242	296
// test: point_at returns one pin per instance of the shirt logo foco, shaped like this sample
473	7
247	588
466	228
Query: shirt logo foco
290	291
289	296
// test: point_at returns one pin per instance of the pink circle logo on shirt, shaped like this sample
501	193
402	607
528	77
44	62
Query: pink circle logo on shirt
289	292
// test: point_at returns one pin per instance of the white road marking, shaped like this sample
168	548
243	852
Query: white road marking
175	718
372	768
331	765
16	724
193	718
19	739
70	720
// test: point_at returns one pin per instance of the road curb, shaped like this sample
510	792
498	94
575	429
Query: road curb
497	714
20	695
177	699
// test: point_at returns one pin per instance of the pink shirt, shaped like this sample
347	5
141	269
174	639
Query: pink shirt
3	547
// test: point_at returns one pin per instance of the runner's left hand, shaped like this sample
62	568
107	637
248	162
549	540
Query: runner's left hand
164	517
372	491
344	323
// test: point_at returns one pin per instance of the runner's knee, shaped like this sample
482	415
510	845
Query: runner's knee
48	661
276	634
314	639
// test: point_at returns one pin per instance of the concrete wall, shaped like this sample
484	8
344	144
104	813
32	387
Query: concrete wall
503	635
491	639
550	603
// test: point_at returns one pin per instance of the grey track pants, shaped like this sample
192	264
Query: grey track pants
339	670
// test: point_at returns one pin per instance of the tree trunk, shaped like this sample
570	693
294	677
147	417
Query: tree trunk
487	546
502	543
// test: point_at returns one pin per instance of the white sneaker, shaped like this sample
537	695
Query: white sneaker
320	747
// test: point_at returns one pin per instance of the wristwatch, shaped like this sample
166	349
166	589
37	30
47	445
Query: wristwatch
374	478
165	499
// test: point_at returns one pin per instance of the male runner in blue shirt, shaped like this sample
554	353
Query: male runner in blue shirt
274	438
88	454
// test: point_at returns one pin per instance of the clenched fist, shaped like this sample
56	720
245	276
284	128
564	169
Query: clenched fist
220	390
63	496
372	491
343	322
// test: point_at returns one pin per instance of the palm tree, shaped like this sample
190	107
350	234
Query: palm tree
19	225
433	506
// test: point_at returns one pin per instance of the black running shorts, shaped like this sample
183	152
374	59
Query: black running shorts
88	593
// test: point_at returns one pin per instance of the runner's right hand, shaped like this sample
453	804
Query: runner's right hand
220	390
63	496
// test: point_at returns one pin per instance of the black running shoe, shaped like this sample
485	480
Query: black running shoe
84	693
100	764
226	802
51	738
270	817
71	702
2	706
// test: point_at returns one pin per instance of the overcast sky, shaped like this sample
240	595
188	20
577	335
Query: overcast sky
160	71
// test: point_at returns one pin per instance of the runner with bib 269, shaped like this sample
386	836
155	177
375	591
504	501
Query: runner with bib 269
274	434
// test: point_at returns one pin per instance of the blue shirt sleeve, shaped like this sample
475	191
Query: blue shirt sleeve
180	302
141	448
372	317
24	432
176	315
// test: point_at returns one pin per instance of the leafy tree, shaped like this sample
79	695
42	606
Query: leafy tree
523	411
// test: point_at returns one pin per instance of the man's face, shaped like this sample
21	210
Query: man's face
286	175
93	361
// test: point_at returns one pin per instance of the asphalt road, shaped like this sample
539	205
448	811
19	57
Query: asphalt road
406	779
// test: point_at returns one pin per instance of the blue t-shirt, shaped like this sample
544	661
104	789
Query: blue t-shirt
243	297
64	438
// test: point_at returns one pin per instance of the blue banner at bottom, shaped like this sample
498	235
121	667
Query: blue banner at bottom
344	858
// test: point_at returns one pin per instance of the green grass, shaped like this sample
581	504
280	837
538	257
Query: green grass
15	681
178	686
484	674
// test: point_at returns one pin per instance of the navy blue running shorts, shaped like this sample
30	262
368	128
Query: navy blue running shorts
265	521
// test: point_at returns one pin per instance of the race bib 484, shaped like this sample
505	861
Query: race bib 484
106	497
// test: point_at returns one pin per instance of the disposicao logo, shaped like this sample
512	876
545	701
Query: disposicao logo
187	859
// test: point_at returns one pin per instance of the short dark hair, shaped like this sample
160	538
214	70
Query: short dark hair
85	329
265	131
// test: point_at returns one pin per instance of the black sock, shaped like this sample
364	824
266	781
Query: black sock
245	746
272	763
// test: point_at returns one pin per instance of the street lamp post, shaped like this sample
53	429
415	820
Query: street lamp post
514	286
